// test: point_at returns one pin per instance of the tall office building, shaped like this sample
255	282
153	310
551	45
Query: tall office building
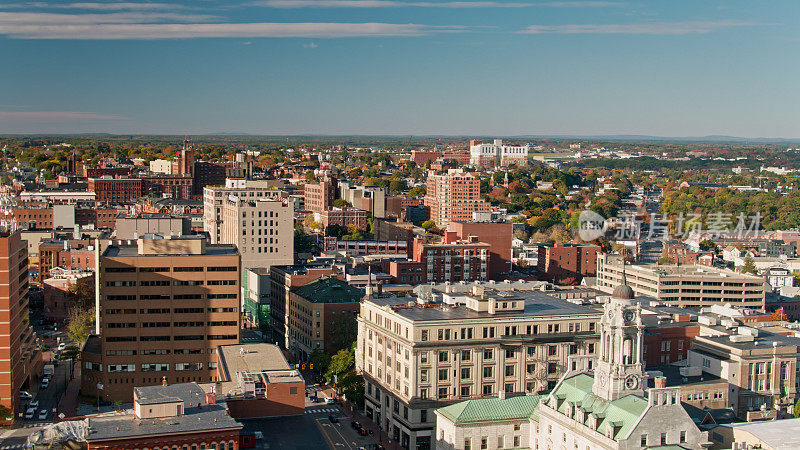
213	197
20	357
163	307
454	196
262	229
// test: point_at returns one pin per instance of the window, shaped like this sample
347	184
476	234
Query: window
487	353
484	443
466	355
465	392
663	438
683	437
465	373
509	370
487	371
442	374
423	415
443	356
487	389
467	444
643	440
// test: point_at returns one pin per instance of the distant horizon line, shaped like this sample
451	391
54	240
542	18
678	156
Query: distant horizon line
611	137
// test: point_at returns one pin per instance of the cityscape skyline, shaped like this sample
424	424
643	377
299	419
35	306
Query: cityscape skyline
383	67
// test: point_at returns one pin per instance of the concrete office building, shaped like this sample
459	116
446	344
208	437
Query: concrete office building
19	352
417	355
370	199
454	196
262	229
132	227
213	197
163	307
682	285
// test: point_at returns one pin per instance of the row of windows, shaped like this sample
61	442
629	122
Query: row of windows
186	337
174	269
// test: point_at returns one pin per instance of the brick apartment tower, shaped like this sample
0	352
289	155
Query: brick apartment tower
20	358
453	196
164	306
319	195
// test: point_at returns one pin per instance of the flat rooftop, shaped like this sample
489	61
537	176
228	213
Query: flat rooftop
255	358
132	250
777	434
203	418
764	341
537	304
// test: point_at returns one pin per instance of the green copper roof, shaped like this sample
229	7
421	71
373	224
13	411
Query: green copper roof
329	290
623	412
492	409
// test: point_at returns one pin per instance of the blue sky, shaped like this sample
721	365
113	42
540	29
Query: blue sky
469	67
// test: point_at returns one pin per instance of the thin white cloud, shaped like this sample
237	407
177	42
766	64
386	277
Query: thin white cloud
36	18
653	28
121	6
219	30
287	4
56	115
310	45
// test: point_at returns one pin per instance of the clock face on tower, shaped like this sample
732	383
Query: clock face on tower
631	382
629	316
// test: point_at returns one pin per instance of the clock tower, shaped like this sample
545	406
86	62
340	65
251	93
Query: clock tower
619	370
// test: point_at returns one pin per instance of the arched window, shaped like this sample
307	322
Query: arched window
232	445
194	446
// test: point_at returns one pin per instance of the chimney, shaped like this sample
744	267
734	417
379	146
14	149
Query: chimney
660	382
211	398
164	381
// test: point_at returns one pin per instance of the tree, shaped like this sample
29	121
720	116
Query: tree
81	295
796	412
749	265
342	362
344	331
428	224
320	360
302	242
351	385
708	245
340	203
666	260
71	353
80	324
417	191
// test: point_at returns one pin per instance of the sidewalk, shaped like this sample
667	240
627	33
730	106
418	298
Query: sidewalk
69	401
379	436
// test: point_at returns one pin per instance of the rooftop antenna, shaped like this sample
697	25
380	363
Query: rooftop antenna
368	290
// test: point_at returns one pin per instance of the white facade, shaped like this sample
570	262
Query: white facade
497	154
161	166
213	197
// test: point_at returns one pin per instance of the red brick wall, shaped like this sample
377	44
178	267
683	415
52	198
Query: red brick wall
279	402
168	441
497	235
655	337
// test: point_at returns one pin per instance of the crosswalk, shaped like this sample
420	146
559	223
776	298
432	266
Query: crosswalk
322	410
12	447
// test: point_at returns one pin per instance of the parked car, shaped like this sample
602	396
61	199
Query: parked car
25	395
45	383
34	404
30	412
333	419
355	425
329	401
62	346
43	414
362	431
258	435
